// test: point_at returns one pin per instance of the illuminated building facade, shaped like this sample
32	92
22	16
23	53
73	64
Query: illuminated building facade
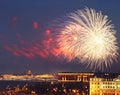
74	77
75	82
105	86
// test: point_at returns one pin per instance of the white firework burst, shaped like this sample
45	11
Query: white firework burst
89	36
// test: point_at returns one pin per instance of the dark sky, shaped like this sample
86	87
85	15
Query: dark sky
24	33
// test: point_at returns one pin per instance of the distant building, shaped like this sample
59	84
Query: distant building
74	77
105	86
29	72
75	81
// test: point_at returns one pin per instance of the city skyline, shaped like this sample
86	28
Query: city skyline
24	25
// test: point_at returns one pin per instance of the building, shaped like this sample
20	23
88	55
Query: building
105	86
29	72
74	77
75	82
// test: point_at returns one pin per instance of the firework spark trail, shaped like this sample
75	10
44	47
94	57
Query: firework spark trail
89	36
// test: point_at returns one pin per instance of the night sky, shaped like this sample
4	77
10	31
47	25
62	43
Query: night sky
24	33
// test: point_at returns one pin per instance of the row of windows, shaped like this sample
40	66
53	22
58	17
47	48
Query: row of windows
109	83
108	79
105	87
106	83
96	83
108	86
95	79
99	79
94	87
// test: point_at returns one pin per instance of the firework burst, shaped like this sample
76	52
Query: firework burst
89	36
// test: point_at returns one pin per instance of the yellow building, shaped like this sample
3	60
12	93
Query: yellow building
95	86
105	86
117	85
